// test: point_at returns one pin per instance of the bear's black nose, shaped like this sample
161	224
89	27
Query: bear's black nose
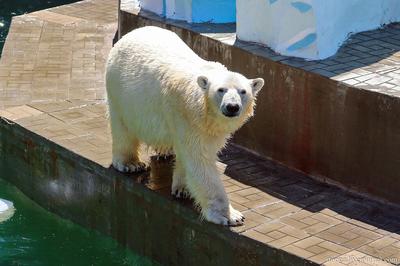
232	108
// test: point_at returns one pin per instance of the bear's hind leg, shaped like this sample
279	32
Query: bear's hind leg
125	148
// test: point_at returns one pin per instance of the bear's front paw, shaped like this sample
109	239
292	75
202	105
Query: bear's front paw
130	167
231	217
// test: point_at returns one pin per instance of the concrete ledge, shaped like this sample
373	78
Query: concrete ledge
310	29
331	130
150	223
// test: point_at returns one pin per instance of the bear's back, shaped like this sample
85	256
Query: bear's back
159	48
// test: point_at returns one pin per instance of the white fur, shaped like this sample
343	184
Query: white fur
162	94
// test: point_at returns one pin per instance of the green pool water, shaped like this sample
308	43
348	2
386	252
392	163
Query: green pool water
36	237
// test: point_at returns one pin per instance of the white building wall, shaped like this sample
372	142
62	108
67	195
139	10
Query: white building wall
179	9
155	6
312	29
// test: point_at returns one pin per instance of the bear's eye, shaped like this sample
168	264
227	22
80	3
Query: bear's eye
243	92
221	90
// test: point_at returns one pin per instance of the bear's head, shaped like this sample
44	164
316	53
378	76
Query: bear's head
230	95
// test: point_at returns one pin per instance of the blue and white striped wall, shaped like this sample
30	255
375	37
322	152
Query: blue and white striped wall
193	11
311	29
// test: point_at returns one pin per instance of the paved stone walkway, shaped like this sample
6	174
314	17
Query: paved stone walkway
369	60
57	54
52	84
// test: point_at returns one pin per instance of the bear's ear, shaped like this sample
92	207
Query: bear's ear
203	82
256	85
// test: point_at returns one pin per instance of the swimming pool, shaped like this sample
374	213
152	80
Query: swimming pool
34	236
10	8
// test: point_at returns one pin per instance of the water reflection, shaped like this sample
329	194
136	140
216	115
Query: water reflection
6	210
36	237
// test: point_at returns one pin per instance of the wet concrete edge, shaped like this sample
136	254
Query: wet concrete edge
119	206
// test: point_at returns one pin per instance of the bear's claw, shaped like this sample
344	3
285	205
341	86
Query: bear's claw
164	157
130	167
181	193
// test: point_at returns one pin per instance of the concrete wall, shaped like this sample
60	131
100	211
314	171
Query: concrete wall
155	6
322	127
312	29
194	11
179	9
214	11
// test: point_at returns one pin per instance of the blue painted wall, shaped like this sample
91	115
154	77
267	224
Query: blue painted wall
215	11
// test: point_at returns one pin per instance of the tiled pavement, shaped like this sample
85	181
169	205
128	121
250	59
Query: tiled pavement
369	60
283	208
53	55
52	84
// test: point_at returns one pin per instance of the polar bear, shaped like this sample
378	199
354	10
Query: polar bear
160	93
